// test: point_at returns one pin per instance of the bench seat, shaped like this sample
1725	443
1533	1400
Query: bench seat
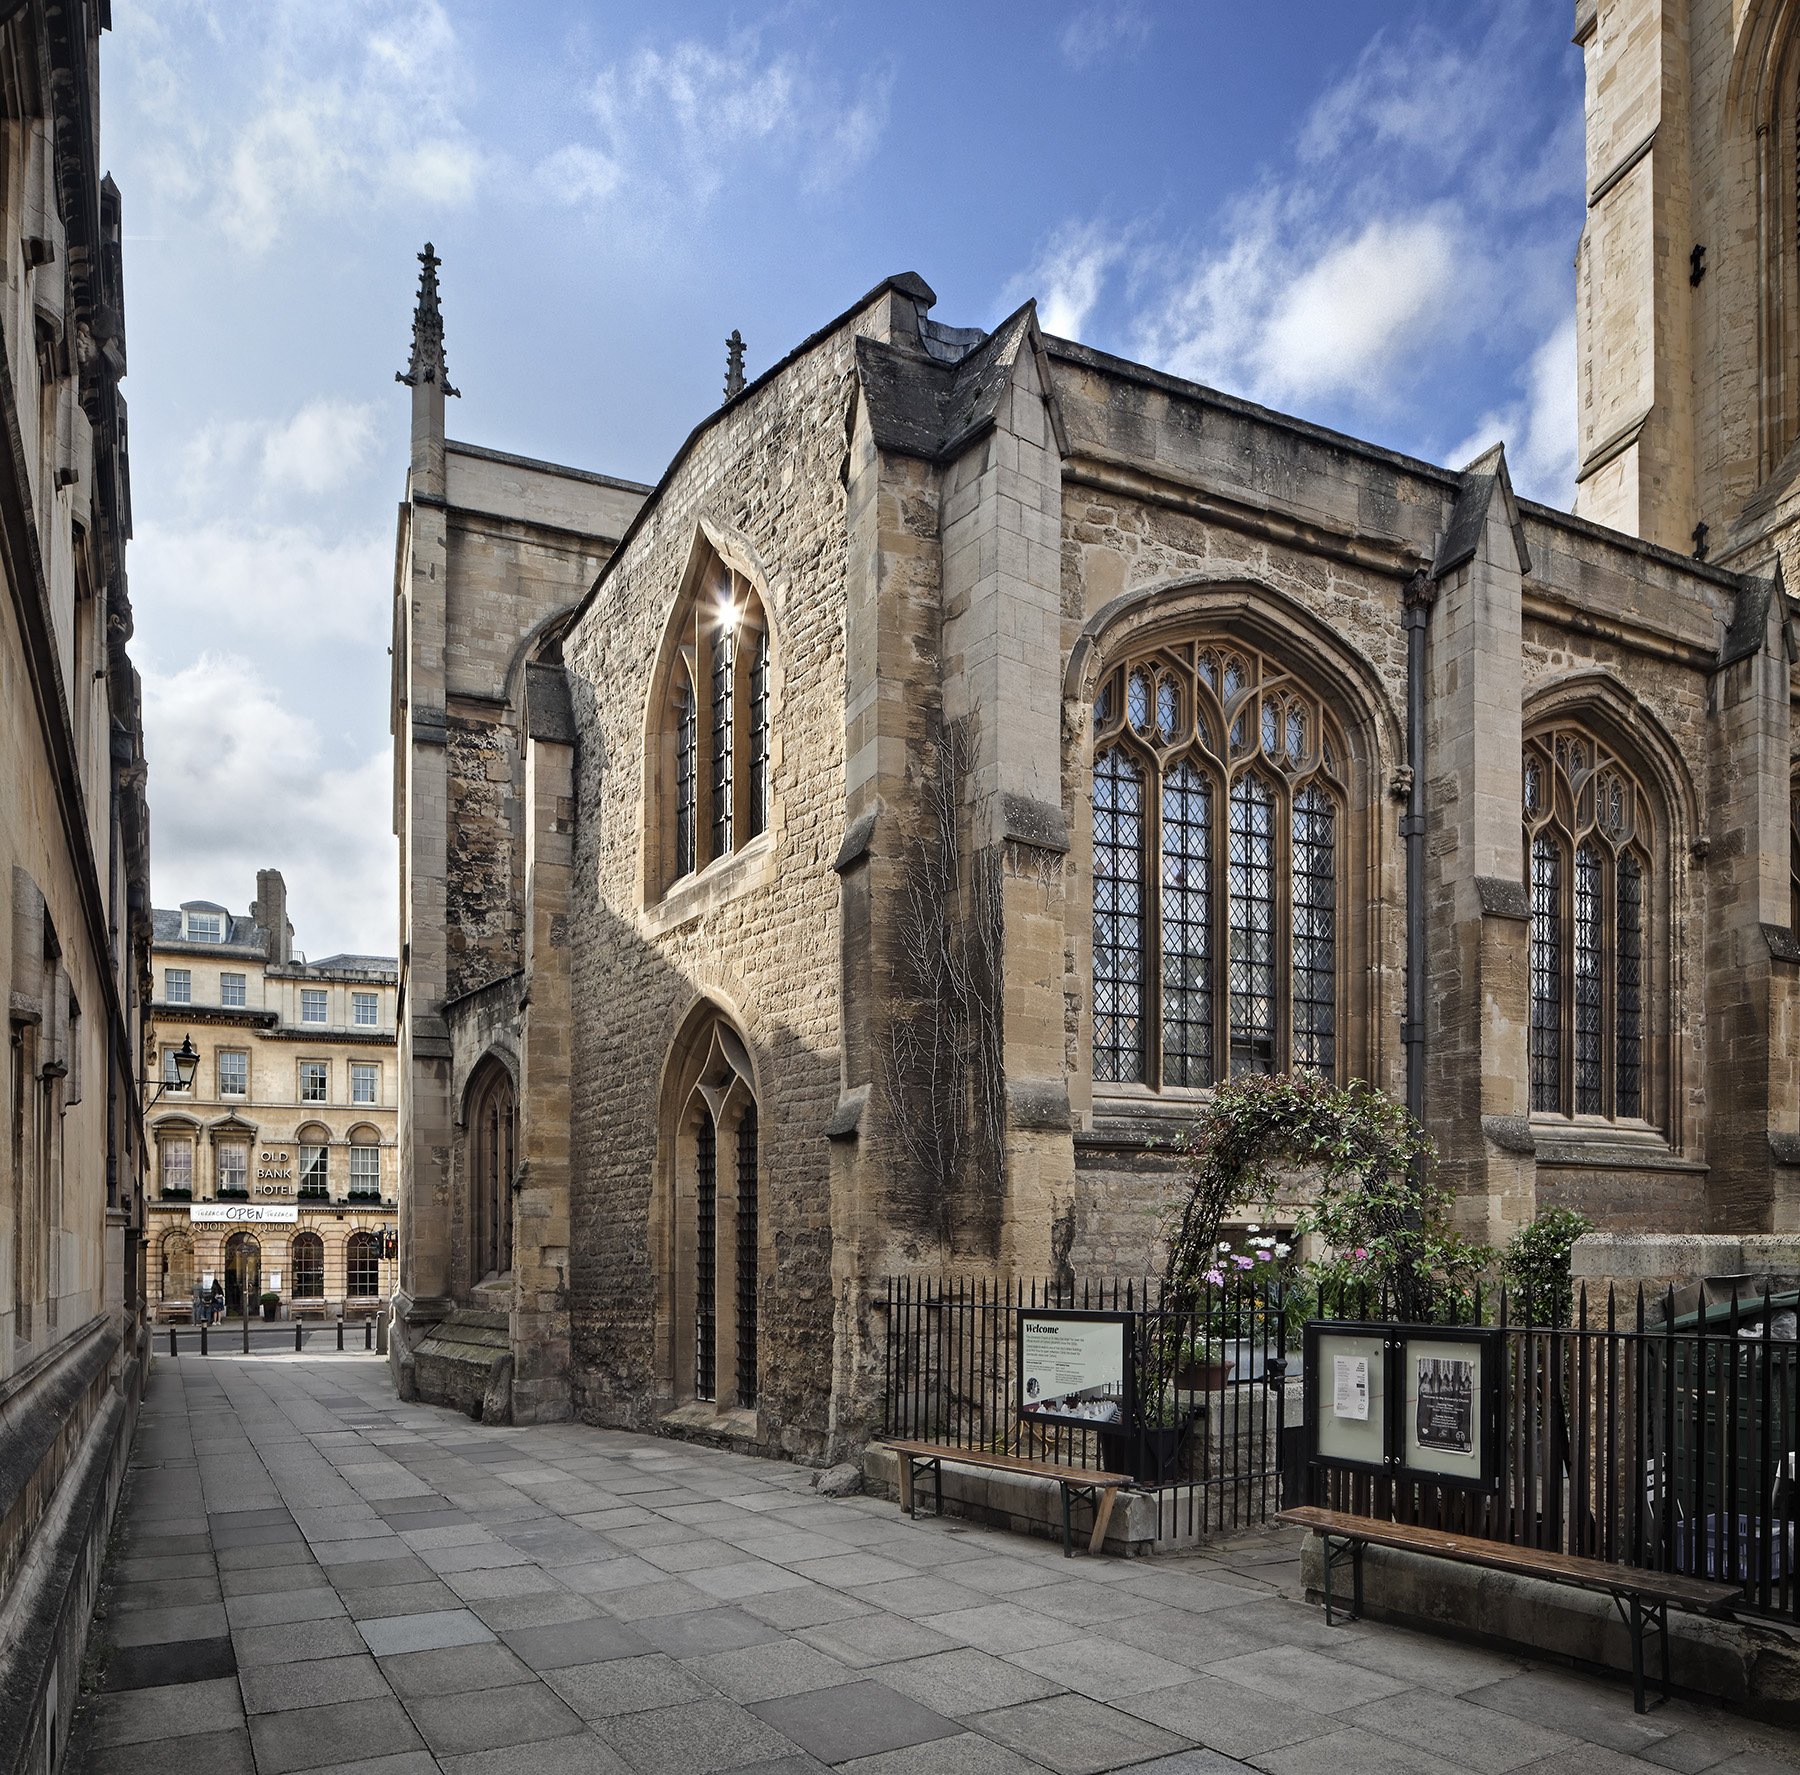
1098	1488
1643	1598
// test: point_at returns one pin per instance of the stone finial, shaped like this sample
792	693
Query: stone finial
734	365
427	361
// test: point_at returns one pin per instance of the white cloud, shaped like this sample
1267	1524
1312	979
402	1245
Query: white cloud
1096	32
1069	275
256	117
317	449
1283	316
1538	429
225	577
239	781
690	119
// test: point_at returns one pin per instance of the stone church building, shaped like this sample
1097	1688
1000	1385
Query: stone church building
856	853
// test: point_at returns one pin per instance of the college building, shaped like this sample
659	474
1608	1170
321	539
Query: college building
74	867
859	853
273	1161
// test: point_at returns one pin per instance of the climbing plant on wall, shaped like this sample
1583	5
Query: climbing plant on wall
1384	1222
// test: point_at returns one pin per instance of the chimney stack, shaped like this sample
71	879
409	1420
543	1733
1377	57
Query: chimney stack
270	911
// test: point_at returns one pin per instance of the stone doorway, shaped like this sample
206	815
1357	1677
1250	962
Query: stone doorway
243	1273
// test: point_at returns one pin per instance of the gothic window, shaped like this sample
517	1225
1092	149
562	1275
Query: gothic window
713	1284
1794	855
714	739
1218	798
1588	832
490	1131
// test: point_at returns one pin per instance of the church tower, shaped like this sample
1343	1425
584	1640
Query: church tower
1688	277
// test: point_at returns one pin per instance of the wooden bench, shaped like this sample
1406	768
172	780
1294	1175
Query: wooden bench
1642	1598
1094	1487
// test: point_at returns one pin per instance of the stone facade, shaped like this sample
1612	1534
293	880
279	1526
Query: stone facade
262	1154
823	958
74	868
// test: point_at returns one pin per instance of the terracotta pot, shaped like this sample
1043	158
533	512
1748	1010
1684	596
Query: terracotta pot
1202	1377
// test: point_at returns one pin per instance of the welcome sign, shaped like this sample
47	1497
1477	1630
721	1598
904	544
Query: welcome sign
1075	1368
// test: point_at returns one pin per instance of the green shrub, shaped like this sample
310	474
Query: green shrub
1536	1266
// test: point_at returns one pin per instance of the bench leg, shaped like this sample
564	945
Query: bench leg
1068	1546
1103	1510
1637	1654
937	1477
1663	1621
906	1461
1354	1549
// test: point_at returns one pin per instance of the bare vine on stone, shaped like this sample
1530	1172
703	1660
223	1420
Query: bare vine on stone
943	1082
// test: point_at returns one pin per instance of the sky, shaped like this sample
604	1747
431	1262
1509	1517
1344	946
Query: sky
1362	213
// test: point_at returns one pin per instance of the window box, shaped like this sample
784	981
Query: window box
229	1194
172	1194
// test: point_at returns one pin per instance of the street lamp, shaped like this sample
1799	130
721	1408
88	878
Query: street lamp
187	1063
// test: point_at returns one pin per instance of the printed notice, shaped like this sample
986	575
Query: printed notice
1446	1404
1072	1369
1350	1388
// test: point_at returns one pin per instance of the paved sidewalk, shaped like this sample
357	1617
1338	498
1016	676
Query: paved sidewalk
312	1576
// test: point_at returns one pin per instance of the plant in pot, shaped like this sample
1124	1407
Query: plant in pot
271	1301
1201	1364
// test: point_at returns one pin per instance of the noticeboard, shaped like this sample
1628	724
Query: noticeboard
1449	1406
1417	1402
1076	1368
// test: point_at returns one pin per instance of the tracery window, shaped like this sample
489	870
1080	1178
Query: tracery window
715	731
1218	808
1588	829
714	1286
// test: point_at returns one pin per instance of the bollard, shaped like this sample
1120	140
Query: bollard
296	1337
171	1340
246	1331
368	1334
340	1334
202	1337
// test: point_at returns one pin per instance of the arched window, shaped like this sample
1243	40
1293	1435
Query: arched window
362	1266
1588	833
313	1142
491	1132
1794	856
714	1284
1218	809
306	1259
713	732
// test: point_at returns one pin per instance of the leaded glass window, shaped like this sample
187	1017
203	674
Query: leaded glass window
1187	1001
1546	973
757	816
1218	803
1588	830
1118	916
723	664
706	1232
746	1256
685	745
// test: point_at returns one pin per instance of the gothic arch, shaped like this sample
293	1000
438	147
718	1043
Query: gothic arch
490	1162
705	1226
711	717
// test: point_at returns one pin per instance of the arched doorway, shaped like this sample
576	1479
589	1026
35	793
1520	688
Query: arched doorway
492	1132
243	1273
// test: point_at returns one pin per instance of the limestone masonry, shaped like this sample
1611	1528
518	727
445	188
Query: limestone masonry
856	853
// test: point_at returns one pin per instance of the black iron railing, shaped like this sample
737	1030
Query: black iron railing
1207	1411
1638	1435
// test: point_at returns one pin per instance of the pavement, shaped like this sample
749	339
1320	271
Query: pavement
310	1576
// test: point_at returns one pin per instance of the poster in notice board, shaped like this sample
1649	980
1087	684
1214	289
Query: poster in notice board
1450	1406
1347	1397
1075	1368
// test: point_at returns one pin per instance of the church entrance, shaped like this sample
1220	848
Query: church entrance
492	1122
243	1273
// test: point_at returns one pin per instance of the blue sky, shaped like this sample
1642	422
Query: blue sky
1362	213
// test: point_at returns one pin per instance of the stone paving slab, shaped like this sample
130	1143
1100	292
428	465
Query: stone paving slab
316	1579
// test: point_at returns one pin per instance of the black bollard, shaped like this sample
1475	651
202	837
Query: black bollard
202	1337
171	1340
340	1334
246	1331
368	1334
296	1337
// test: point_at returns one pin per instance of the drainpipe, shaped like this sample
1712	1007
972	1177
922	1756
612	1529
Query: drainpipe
1417	612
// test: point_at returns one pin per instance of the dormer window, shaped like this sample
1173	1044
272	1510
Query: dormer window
205	927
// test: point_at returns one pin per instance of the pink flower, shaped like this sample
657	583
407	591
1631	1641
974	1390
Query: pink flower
1361	1251
1215	1276
1243	1263
1265	1257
